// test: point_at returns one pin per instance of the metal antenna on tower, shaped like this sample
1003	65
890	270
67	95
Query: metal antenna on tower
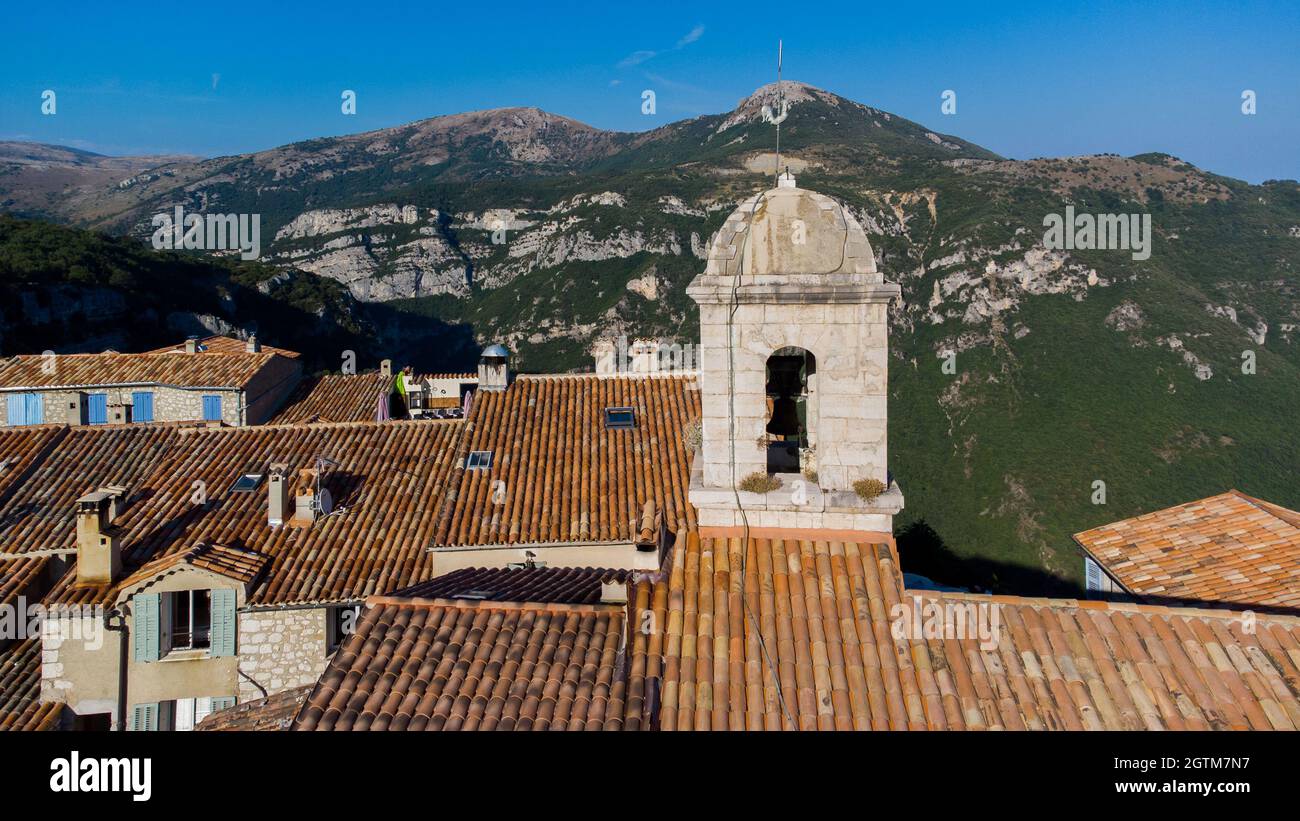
781	106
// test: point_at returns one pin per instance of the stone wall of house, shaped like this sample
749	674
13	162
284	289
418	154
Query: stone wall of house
169	404
280	650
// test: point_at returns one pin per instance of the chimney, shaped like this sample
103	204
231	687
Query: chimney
386	368
191	344
307	505
493	372
253	344
647	530
99	557
277	489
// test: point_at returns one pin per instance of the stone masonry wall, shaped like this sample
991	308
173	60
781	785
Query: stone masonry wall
280	650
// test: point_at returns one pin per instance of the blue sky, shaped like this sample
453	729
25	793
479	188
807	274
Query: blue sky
1031	81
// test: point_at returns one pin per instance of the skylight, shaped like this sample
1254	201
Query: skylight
246	483
479	460
620	418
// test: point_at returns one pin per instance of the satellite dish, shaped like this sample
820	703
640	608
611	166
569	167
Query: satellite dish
325	502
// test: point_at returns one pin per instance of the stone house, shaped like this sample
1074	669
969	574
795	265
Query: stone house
218	379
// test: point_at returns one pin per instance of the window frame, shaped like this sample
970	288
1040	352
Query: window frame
479	460
169	605
619	410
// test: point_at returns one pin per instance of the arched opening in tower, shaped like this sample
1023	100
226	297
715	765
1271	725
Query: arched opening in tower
789	374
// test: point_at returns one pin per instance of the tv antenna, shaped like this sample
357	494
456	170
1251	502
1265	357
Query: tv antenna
776	115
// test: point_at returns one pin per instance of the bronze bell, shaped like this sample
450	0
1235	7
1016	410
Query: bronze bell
785	417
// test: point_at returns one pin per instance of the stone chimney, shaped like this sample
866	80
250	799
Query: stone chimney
386	368
99	557
192	344
277	491
253	344
493	370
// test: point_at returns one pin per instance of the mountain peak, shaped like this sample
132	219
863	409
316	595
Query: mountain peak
795	93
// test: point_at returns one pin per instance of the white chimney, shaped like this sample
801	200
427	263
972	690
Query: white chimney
493	370
253	345
386	368
192	344
277	490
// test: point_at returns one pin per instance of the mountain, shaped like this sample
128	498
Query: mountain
1071	368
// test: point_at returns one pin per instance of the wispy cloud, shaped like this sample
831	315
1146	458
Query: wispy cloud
691	36
636	58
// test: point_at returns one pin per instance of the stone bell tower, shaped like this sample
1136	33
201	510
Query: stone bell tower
794	367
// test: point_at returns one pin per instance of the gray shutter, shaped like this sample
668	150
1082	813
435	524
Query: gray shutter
224	623
144	717
222	703
144	614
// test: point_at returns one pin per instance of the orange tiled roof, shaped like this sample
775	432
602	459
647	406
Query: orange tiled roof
1064	664
20	687
231	562
21	577
36	511
388	484
1226	548
558	475
826	612
275	712
414	665
553	585
209	370
350	397
224	344
334	398
814	612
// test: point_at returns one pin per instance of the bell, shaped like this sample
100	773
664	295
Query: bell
785	417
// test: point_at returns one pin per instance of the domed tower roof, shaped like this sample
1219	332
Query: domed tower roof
789	231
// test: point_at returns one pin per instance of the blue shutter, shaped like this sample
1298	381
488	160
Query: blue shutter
145	626
224	623
142	406
144	717
26	409
212	407
97	408
222	703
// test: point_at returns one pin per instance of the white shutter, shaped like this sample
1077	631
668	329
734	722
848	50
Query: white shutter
1092	576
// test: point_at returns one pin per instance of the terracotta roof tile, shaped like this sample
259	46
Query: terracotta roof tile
210	370
20	687
275	712
350	397
477	666
224	344
1226	548
558	474
567	585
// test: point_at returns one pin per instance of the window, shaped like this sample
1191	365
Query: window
342	622
189	618
620	418
26	409
479	460
212	407
180	714
142	406
97	408
246	483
